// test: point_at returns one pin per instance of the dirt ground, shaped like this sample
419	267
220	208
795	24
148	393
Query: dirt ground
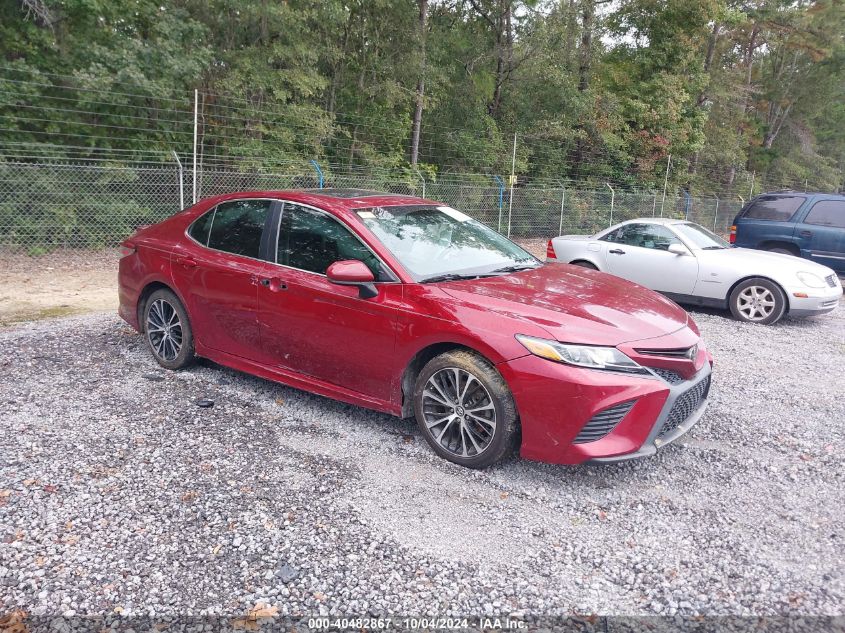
57	284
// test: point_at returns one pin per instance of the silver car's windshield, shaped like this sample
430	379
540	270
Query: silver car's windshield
441	243
699	237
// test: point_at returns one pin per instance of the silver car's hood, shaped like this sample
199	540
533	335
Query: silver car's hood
753	261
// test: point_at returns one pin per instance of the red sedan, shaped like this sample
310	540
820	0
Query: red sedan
412	308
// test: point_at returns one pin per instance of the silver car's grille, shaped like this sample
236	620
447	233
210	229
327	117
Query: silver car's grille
672	377
603	423
831	280
685	406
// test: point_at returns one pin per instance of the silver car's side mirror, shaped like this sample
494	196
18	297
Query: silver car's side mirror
678	249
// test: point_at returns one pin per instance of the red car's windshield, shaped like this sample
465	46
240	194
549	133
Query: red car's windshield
435	243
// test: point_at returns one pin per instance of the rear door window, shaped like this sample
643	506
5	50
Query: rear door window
774	208
237	226
827	213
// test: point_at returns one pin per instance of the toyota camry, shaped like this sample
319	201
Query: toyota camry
410	307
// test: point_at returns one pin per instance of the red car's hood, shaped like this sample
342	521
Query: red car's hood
575	305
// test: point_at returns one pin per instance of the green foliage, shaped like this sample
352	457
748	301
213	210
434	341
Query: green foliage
596	91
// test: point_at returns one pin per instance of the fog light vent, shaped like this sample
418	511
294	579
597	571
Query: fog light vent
603	423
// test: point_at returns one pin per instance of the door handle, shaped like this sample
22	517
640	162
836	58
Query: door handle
187	262
617	251
275	284
805	233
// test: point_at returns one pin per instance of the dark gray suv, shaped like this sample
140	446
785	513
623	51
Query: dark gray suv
808	225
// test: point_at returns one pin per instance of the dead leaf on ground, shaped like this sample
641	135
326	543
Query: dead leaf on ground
189	496
14	622
30	482
216	549
504	495
5	494
51	488
259	612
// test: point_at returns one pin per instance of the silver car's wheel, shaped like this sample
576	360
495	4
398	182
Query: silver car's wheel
459	412
758	300
164	330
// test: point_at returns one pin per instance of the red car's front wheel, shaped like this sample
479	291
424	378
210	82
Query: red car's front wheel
465	409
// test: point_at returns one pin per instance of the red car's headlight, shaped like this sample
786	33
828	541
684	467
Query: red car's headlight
593	357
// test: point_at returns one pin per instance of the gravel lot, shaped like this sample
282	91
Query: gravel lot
118	494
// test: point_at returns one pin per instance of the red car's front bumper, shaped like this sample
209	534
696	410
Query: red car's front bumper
556	402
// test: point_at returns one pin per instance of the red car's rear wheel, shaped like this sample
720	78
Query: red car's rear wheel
168	331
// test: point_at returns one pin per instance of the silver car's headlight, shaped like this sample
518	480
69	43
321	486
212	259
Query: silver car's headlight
608	358
810	279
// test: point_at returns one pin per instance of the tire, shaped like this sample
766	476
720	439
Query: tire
474	440
757	300
584	264
781	250
167	330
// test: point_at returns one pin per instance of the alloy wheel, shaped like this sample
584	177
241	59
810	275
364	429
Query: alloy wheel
756	303
459	413
164	330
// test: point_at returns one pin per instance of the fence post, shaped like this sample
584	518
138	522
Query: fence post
562	203
612	199
513	180
181	180
501	184
654	205
319	172
716	214
196	113
421	177
751	192
665	183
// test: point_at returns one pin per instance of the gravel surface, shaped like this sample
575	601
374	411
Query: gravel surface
120	494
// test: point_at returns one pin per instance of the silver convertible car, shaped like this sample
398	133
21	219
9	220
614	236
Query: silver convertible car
691	265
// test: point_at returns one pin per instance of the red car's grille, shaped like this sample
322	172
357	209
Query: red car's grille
672	377
685	406
603	423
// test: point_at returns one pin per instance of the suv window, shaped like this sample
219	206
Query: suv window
827	213
237	226
777	208
652	236
312	240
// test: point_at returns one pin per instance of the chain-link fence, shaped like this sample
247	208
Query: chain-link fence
44	206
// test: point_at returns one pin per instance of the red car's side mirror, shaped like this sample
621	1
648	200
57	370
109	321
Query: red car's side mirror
351	272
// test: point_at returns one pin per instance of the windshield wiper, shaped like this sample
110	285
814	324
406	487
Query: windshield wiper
714	248
451	277
515	268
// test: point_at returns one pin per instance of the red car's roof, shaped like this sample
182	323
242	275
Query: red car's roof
345	198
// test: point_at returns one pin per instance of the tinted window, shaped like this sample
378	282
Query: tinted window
652	236
237	226
311	240
199	229
777	208
827	213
